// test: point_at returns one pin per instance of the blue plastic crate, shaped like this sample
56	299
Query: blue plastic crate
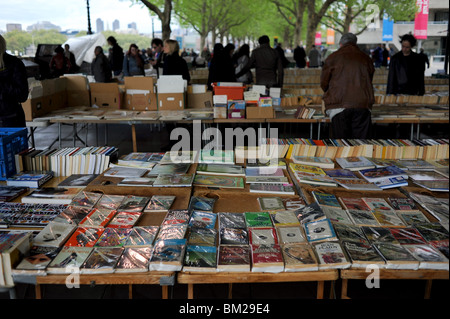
12	141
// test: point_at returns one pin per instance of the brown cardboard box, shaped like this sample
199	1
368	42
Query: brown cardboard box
77	91
170	101
199	100
258	112
106	95
220	112
33	108
139	83
140	93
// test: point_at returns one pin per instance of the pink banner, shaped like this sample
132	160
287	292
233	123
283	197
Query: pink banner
318	40
421	20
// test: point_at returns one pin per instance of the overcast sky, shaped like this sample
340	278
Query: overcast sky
72	14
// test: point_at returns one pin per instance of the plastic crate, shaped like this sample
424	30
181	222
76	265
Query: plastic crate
232	92
12	141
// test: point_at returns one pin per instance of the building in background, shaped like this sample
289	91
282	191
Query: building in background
116	25
100	25
13	27
43	25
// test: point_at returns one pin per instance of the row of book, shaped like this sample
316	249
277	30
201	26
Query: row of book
67	161
427	149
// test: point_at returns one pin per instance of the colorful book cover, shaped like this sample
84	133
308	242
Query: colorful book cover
200	258
142	236
326	199
84	237
258	219
113	237
124	220
132	203
218	181
321	230
201	219
160	203
98	218
234	258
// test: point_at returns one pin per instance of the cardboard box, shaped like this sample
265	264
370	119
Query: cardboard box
77	91
171	101
106	95
220	112
140	100
171	84
257	112
199	100
139	83
33	107
236	113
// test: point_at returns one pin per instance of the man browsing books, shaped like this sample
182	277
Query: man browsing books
346	80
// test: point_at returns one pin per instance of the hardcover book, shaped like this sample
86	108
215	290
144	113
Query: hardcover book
234	258
267	259
321	230
142	236
200	258
258	219
291	235
102	260
134	259
168	255
159	203
363	254
331	256
68	259
299	257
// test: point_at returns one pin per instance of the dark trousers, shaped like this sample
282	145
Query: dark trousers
352	123
14	120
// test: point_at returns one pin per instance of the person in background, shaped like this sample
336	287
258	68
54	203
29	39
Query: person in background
174	64
346	80
386	55
214	65
133	62
406	70
283	58
424	57
59	64
242	58
267	63
300	57
13	88
314	57
377	56
158	55
69	54
100	66
115	56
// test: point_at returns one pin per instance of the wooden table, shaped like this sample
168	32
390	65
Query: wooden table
164	279
193	278
428	275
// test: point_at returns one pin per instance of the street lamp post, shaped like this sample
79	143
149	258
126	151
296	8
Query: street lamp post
89	31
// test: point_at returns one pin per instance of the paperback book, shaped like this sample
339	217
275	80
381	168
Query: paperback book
111	202
266	180
402	203
412	217
396	256
134	259
408	236
174	180
378	234
142	236
381	173
124	220
138	181
232	220
377	204
172	232
102	260
220	169
86	199
200	259
32	179
323	162
233	236
200	219
267	259
176	217
202	237
363	254
72	215
168	255
217	181
362	217
262	236
352	233
125	172
284	218
358	184
78	180
331	256
51	195
68	259
310	213
84	237
8	193
299	257
391	182
354	203
269	188
159	169
355	163
340	173
270	203
234	258
36	261
326	199
291	235
388	218
159	203
204	204
258	219
321	230
113	237
336	215
54	234
428	257
132	203
432	231
98	218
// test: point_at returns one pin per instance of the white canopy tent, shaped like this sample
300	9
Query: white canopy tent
83	47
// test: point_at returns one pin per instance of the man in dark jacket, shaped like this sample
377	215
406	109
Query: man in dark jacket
13	88
267	63
346	80
406	70
115	56
100	67
300	57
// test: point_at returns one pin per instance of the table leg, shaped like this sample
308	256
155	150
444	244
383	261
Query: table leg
320	288
428	289
418	131
230	291
37	290
130	291
165	292
344	289
59	134
412	132
190	291
133	136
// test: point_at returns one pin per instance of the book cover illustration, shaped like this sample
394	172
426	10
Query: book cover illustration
340	173
379	173
233	236
37	260
362	254
428	256
54	234
172	232
284	218
179	157
67	259
291	235
351	203
174	180
218	181
267	259
378	234
396	256
391	182
176	217
321	230
412	217
262	236
308	169
33	179
132	203
407	236
326	199
199	203
78	180
336	215
234	258
101	260
134	259
270	203
402	203
310	213
200	219
124	220
160	203
232	220
220	169
377	204
84	237
86	199
97	218
357	184
113	237
8	193
258	219
264	172
200	258
432	231
354	163
388	218
363	218
52	194
346	232
331	255
216	156
299	257
164	169
268	188
111	202
168	255
293	203
323	162
202	237
142	236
